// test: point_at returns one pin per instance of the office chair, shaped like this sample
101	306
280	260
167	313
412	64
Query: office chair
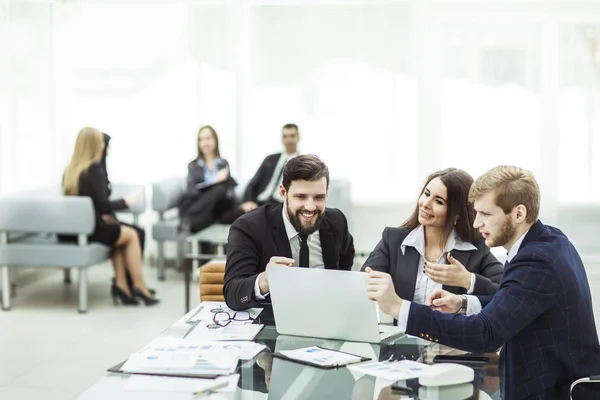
211	281
586	388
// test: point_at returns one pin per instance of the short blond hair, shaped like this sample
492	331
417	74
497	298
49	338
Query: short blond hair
512	186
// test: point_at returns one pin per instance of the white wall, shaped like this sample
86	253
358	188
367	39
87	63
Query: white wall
385	91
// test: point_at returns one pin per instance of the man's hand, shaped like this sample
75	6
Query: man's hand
380	288
444	301
248	206
263	279
451	274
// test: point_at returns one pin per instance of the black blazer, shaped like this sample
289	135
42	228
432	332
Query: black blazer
93	183
388	257
260	234
262	177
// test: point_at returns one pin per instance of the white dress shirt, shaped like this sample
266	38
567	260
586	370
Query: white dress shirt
273	185
315	253
473	303
424	285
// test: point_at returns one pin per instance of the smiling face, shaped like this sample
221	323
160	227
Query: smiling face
305	204
496	227
433	204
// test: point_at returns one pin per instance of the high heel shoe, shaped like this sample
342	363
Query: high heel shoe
152	291
149	301
123	297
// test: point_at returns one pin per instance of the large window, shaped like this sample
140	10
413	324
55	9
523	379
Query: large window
579	150
343	74
490	101
150	88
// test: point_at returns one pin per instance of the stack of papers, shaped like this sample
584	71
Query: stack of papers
181	357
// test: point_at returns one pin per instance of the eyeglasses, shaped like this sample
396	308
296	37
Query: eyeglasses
222	318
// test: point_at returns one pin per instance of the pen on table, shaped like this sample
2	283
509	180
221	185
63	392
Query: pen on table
196	313
211	389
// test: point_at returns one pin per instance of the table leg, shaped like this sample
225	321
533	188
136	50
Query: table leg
186	280
195	260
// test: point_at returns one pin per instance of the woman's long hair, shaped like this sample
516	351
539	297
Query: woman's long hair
88	150
214	134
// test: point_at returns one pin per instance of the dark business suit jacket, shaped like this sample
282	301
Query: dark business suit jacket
260	234
387	257
541	314
261	179
196	175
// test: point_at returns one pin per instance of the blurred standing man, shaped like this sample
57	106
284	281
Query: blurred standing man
264	186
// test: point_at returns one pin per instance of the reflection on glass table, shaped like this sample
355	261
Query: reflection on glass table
281	379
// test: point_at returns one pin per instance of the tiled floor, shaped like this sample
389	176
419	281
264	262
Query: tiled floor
49	351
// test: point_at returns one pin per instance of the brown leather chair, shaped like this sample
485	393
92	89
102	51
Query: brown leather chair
211	281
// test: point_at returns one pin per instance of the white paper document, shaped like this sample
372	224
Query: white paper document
321	356
207	331
207	310
393	371
146	383
208	358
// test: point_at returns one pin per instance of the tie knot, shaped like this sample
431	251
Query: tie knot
303	237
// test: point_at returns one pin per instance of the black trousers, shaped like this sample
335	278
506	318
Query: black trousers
201	209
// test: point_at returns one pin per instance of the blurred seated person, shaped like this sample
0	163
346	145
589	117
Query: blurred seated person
264	186
210	188
438	246
85	175
118	205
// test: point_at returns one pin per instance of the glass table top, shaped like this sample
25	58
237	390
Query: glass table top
279	379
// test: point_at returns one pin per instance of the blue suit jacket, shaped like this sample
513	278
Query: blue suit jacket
541	314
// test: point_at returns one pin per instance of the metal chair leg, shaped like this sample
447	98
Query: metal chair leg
83	293
161	261
5	288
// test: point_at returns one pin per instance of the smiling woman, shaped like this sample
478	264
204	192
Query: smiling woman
438	245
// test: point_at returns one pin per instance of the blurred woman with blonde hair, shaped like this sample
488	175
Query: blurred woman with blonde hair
85	176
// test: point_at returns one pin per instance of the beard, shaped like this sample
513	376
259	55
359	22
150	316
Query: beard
507	232
297	223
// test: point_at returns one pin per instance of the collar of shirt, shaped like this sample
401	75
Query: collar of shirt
515	247
416	239
202	164
289	228
287	156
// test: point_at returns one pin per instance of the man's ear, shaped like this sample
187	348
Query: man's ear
282	192
521	213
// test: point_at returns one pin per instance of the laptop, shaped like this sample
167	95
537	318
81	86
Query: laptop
328	304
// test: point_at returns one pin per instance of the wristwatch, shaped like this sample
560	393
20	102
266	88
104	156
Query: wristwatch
463	306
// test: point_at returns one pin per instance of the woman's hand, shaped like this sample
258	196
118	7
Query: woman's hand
451	274
133	198
222	175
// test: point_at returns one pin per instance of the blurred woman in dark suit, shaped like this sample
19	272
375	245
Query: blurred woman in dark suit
210	188
85	175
